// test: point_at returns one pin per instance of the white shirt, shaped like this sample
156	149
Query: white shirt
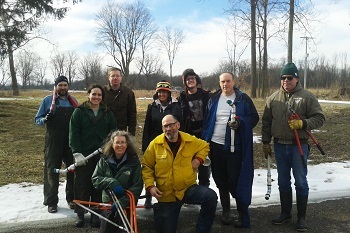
223	113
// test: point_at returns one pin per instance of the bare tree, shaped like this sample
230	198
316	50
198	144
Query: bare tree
91	69
71	69
171	38
58	64
122	29
40	72
234	39
26	64
18	19
149	65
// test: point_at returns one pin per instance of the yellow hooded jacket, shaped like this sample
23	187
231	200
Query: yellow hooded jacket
171	174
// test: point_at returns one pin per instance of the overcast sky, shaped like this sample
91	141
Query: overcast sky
203	24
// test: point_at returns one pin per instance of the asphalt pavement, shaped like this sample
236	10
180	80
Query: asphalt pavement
331	216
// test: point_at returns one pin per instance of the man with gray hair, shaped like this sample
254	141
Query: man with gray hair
169	167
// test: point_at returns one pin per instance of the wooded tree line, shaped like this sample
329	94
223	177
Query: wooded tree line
128	33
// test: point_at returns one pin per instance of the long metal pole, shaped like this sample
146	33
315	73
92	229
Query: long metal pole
306	55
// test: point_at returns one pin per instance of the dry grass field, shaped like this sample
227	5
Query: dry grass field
21	146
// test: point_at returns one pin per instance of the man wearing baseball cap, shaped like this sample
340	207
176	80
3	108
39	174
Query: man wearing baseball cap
55	112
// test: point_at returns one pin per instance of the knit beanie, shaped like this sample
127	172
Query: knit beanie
61	79
290	69
188	72
163	86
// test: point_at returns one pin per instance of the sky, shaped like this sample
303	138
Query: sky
327	181
202	22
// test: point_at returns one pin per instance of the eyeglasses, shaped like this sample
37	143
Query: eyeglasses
190	78
170	125
289	78
119	143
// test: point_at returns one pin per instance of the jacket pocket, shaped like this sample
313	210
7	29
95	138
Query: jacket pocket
161	161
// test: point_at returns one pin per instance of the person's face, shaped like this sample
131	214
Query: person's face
163	96
227	83
115	78
191	82
62	88
119	145
289	82
170	128
95	96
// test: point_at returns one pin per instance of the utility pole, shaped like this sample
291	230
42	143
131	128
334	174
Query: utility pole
306	55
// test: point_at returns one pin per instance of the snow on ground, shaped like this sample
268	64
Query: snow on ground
23	202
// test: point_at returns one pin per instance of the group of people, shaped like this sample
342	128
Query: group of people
179	136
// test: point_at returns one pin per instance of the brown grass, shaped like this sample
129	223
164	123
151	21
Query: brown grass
21	147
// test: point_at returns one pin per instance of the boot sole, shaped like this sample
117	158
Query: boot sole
280	223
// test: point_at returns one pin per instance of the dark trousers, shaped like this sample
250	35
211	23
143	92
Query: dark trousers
204	175
51	180
166	214
84	190
225	167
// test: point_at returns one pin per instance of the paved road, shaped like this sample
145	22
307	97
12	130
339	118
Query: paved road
328	216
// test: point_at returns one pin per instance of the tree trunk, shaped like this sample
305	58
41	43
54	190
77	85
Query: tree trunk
265	78
253	49
290	31
15	90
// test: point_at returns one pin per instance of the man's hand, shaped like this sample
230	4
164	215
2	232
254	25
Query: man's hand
295	124
233	124
48	117
155	192
195	164
267	150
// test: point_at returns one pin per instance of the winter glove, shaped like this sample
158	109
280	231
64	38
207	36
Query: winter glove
267	150
233	124
295	124
118	190
48	117
80	159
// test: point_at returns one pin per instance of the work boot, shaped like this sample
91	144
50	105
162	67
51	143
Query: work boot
226	218
238	223
52	209
243	219
80	221
301	207
286	199
71	205
225	203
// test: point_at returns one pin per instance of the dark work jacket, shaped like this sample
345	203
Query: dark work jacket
87	131
153	122
108	174
122	103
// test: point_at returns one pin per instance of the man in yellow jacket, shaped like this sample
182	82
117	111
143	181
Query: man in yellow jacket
169	171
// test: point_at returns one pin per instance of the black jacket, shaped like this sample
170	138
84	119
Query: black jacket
153	121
